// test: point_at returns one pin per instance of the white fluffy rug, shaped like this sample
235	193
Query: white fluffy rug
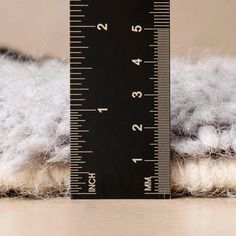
34	127
204	126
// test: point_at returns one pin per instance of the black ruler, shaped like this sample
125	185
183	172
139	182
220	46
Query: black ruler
120	108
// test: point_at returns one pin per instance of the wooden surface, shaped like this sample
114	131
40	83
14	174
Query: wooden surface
63	217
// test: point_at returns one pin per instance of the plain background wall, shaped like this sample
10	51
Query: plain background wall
207	25
38	27
41	27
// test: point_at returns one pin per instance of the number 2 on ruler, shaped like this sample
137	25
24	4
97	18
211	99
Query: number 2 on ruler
101	26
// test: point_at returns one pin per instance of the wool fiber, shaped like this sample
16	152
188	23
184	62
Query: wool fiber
203	125
34	127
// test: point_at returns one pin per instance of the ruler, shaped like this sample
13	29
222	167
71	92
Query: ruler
120	99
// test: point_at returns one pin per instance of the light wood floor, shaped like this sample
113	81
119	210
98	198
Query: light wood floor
63	217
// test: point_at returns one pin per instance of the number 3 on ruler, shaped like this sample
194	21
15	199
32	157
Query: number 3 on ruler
137	94
102	26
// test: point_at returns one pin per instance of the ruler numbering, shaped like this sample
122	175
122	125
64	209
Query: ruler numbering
105	105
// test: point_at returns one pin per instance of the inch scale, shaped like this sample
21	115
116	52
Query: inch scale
120	99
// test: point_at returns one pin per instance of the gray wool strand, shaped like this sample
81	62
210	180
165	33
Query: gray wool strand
34	126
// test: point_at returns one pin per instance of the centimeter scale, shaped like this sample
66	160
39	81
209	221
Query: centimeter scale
120	92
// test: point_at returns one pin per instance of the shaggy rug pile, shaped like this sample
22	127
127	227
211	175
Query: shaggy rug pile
203	124
34	127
